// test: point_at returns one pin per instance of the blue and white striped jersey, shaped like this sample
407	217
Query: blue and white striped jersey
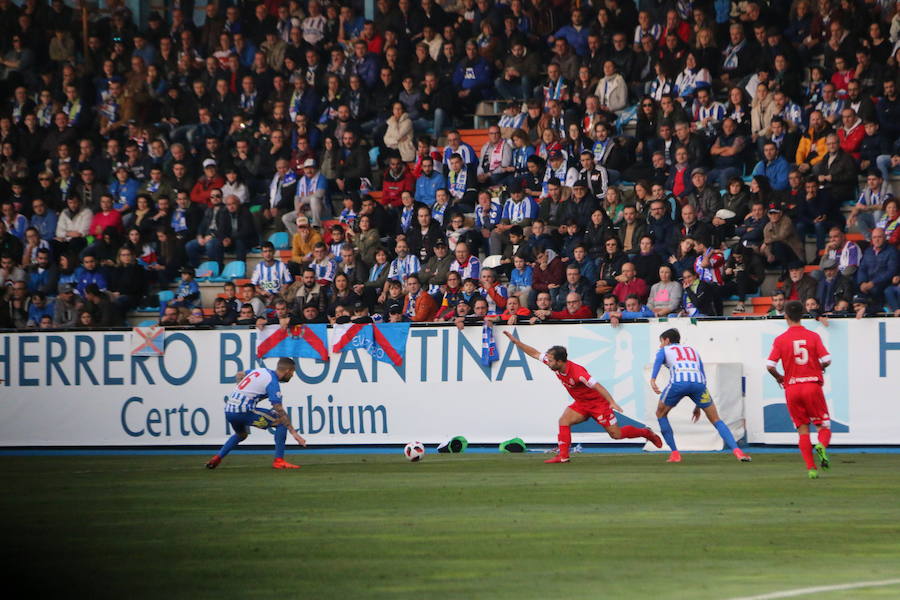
685	365
256	385
270	278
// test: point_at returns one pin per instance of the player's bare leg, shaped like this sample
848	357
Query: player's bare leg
630	431
662	416
713	415
564	438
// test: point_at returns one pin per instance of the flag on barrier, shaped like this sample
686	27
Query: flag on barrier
386	342
303	341
148	341
489	352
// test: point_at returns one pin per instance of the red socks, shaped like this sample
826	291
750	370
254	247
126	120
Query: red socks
565	440
806	451
630	431
824	436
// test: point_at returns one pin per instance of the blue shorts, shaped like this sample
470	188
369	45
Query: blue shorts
258	417
674	392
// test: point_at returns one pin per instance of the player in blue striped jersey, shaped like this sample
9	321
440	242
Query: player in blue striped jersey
270	276
686	378
241	411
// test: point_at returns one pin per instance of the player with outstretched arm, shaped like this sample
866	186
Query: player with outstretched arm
687	377
592	400
804	359
242	413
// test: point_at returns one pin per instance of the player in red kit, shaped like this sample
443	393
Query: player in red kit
804	359
592	401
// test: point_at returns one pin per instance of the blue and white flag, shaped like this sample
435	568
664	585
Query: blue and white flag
488	345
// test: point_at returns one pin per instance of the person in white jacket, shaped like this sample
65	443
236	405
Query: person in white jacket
612	89
73	225
399	134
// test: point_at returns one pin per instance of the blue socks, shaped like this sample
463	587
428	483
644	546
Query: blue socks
280	439
666	430
233	441
723	430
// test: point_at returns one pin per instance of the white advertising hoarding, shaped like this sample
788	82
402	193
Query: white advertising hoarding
86	389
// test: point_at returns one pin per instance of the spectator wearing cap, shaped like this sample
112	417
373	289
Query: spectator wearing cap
702	197
877	268
558	169
834	290
845	252
799	285
209	181
781	244
311	193
65	313
774	166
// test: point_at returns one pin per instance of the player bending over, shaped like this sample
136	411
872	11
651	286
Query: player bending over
686	378
804	359
592	401
241	411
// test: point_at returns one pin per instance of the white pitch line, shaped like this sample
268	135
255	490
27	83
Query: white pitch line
821	589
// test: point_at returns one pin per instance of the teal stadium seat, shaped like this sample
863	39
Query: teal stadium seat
233	270
280	239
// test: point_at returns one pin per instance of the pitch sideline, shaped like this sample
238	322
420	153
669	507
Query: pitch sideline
821	589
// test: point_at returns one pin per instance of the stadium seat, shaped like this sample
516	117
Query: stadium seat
280	239
492	261
233	270
207	270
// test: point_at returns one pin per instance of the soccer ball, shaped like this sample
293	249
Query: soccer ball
414	451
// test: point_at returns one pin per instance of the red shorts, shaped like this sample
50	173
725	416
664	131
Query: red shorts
806	404
599	411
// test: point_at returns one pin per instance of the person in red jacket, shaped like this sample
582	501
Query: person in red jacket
630	283
397	179
851	133
211	180
107	216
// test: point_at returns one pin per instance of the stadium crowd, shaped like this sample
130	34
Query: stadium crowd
652	158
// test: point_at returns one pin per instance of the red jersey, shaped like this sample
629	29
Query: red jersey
578	382
801	353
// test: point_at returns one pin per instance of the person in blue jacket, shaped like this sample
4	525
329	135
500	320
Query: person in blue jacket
471	80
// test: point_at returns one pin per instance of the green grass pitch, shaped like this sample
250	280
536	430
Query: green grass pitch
472	526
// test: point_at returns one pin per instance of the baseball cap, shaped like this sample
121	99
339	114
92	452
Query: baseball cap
795	264
828	263
309	162
774	207
555	154
514	187
209	163
188	270
66	288
580	183
859	299
698	171
302	221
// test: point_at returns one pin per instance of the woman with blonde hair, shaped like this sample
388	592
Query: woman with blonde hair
399	134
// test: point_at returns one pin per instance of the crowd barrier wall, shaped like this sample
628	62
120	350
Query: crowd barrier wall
86	388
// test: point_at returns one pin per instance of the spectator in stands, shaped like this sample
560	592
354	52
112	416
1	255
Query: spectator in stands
418	305
270	276
834	290
837	171
574	282
312	192
698	298
877	268
127	282
72	226
428	182
629	283
781	244
774	166
223	315
727	153
665	295
798	285
869	206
